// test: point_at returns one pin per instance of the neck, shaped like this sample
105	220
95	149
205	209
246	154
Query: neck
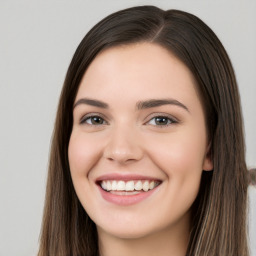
170	241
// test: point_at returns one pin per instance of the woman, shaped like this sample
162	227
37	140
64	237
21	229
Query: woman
147	156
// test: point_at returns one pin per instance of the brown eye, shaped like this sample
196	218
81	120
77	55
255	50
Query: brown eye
161	121
93	120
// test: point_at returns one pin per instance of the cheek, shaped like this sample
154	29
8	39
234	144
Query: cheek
181	158
82	153
182	155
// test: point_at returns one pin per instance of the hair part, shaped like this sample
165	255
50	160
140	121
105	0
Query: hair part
222	200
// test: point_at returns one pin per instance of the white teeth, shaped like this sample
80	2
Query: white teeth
146	186
138	185
104	185
114	185
109	185
151	185
130	185
120	185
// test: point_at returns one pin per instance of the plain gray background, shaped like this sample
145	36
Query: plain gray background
38	39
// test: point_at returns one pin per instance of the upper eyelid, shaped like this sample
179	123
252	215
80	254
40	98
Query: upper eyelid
154	115
88	115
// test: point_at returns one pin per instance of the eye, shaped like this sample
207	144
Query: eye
161	121
93	120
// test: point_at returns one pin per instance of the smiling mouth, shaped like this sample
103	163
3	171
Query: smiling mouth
131	187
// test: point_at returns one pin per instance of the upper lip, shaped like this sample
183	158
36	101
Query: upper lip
125	177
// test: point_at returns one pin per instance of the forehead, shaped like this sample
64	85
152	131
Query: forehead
142	69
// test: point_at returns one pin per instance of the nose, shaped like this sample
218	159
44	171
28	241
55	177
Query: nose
124	146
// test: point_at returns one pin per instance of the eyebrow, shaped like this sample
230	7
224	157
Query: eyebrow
159	102
91	102
139	105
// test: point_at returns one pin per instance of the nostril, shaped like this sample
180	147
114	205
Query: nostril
125	154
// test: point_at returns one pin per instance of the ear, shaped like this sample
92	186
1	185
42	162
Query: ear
208	163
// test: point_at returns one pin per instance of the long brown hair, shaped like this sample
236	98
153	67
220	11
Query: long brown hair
219	212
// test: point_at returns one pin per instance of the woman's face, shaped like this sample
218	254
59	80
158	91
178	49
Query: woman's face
139	141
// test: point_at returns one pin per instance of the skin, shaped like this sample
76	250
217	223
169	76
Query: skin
128	140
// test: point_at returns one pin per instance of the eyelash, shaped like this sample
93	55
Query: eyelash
93	115
171	120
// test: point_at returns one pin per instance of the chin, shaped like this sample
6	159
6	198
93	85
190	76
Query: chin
126	231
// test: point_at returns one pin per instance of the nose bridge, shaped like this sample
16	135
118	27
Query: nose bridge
123	144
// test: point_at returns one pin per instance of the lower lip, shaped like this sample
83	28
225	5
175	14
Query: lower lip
126	199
